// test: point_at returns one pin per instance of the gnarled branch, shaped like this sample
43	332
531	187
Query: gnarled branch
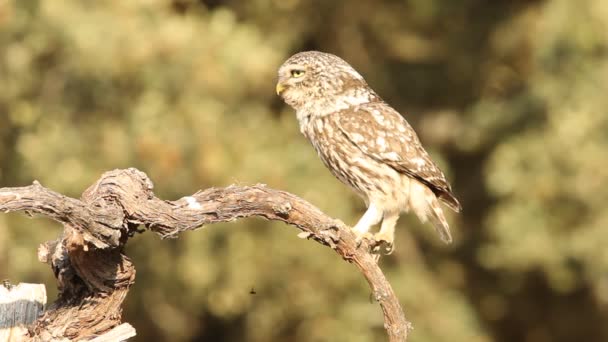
94	276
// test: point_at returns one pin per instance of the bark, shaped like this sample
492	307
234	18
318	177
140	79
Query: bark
94	274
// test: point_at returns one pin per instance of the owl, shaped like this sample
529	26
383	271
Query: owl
366	144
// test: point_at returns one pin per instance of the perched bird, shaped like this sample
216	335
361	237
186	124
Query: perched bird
365	143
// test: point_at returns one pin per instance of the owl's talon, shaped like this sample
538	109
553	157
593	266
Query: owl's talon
383	247
364	236
383	244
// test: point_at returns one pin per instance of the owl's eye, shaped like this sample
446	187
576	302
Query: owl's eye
295	73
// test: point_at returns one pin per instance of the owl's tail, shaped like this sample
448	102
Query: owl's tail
439	221
426	206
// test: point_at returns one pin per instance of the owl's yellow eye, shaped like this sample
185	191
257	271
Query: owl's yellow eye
295	73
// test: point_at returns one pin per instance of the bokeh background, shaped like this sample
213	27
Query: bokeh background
510	97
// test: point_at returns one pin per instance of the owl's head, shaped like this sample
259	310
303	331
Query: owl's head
313	78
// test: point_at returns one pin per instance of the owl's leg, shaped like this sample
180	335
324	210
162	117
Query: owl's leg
371	217
386	235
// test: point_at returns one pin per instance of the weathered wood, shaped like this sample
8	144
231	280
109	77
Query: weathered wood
94	276
120	333
20	306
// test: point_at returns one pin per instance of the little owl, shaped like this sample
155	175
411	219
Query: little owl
365	143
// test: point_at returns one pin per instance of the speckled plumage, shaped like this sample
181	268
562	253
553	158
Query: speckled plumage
365	143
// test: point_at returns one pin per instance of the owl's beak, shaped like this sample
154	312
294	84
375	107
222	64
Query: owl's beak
280	88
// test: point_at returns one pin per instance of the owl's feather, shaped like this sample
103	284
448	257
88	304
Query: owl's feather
383	134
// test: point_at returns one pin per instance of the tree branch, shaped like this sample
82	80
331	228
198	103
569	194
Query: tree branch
88	261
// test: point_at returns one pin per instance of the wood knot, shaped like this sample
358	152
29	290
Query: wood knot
282	209
379	296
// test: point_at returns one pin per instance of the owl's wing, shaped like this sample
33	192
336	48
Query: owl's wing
384	135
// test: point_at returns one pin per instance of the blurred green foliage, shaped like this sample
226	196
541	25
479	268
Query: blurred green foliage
509	96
